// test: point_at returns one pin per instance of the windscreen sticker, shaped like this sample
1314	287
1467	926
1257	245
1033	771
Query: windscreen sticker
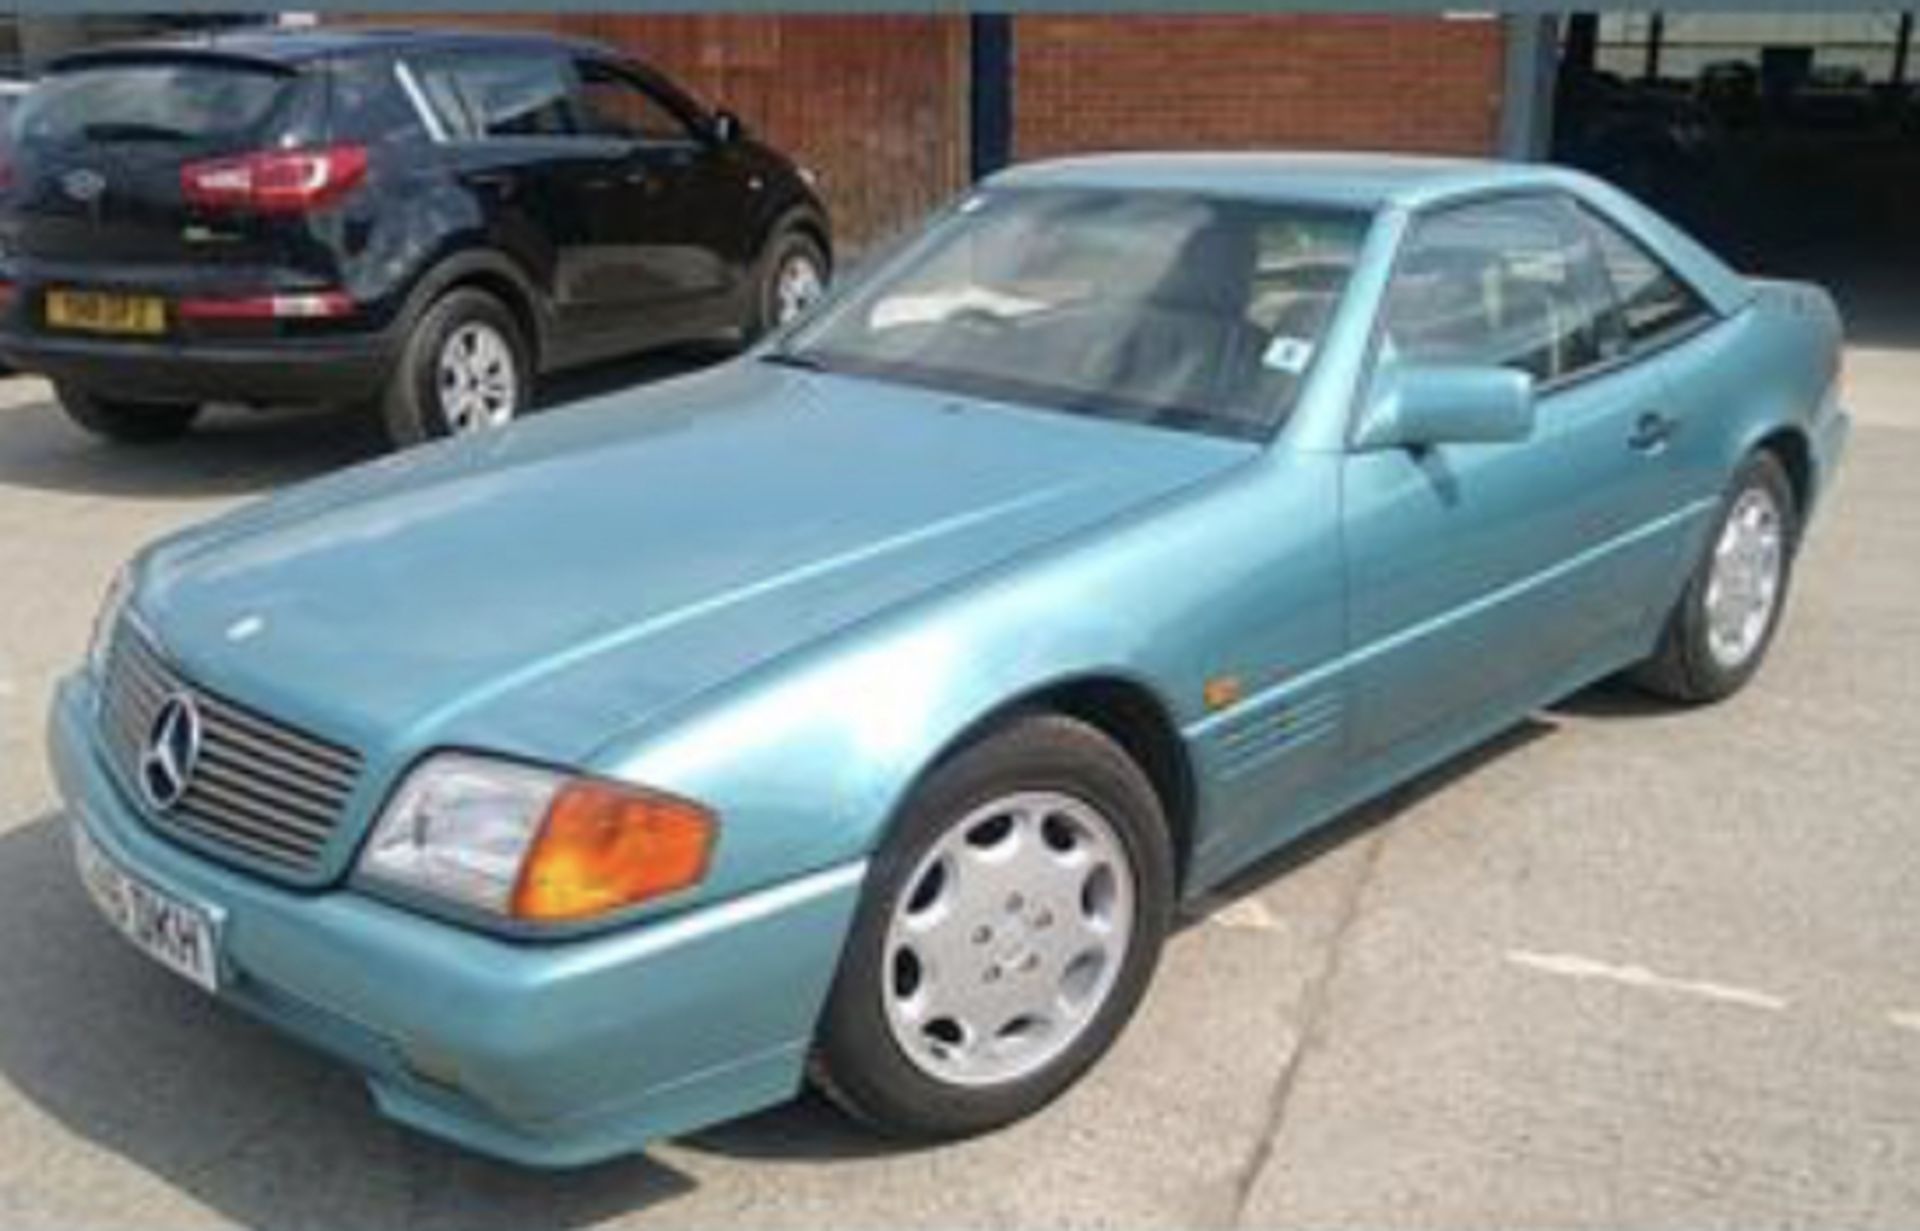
1289	355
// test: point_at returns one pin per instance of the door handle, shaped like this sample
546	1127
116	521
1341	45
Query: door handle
1651	432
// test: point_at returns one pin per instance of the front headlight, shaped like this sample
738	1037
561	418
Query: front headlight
119	590
531	844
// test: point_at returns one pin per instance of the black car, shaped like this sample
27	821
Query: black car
415	221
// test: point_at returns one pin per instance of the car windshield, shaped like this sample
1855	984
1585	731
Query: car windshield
171	102
1169	309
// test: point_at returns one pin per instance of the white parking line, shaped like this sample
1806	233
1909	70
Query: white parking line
1572	966
1905	1020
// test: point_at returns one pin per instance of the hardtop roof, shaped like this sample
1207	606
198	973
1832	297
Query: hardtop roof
1352	180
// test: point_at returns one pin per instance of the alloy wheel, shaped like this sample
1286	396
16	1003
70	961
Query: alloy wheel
1743	581
478	380
1008	938
797	287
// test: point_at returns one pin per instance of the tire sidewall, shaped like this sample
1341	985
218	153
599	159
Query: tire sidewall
863	1064
412	407
1712	679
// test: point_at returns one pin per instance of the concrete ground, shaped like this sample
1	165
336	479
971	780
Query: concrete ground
1625	966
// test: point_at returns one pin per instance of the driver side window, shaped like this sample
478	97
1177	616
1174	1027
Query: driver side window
1508	283
611	104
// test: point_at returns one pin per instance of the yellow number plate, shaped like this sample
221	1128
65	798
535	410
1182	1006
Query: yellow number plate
101	312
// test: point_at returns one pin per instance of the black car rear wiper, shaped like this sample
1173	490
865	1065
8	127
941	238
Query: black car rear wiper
132	130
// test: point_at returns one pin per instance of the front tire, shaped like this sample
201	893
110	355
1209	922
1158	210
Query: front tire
1011	923
1719	633
125	421
466	368
792	277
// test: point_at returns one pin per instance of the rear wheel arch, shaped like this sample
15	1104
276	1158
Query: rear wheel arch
1790	447
495	275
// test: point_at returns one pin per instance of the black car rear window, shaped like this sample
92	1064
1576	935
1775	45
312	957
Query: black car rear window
181	102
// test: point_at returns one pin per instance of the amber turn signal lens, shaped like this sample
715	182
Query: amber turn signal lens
603	847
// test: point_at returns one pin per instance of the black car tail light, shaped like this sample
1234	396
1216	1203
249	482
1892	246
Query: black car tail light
275	181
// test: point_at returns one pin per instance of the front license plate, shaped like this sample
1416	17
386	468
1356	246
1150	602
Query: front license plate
178	936
106	312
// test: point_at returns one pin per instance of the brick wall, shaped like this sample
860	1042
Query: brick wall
878	105
1419	83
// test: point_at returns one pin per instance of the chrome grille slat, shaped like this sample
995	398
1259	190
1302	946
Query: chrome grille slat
231	740
277	790
213	807
126	719
145	675
302	814
266	790
322	755
244	841
142	689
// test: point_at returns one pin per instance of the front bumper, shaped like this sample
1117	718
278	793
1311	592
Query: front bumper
547	1054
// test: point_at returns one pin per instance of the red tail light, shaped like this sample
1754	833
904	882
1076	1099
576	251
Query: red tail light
275	181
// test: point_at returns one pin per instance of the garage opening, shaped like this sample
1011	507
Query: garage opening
1788	142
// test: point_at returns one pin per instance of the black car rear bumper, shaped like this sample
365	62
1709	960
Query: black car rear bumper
292	370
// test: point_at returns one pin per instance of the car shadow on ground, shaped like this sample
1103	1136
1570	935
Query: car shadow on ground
134	1061
1355	823
1616	698
234	451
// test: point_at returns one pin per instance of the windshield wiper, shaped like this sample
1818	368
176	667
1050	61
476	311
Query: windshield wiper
792	359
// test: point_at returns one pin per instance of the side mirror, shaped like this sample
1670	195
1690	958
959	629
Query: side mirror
728	127
1413	407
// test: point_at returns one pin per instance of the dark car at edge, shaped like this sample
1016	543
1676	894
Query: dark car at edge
419	223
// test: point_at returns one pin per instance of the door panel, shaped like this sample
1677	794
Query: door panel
660	243
1481	574
1476	570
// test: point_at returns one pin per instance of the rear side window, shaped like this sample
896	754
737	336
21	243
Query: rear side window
184	102
497	95
1510	283
1653	299
369	103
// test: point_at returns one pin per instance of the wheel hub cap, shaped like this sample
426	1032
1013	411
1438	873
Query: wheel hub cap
1008	938
795	290
1743	584
478	383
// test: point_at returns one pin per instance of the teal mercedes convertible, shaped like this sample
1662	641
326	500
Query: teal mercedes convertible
859	711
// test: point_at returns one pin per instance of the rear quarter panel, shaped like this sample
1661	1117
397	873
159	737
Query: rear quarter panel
1769	367
422	221
1765	373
